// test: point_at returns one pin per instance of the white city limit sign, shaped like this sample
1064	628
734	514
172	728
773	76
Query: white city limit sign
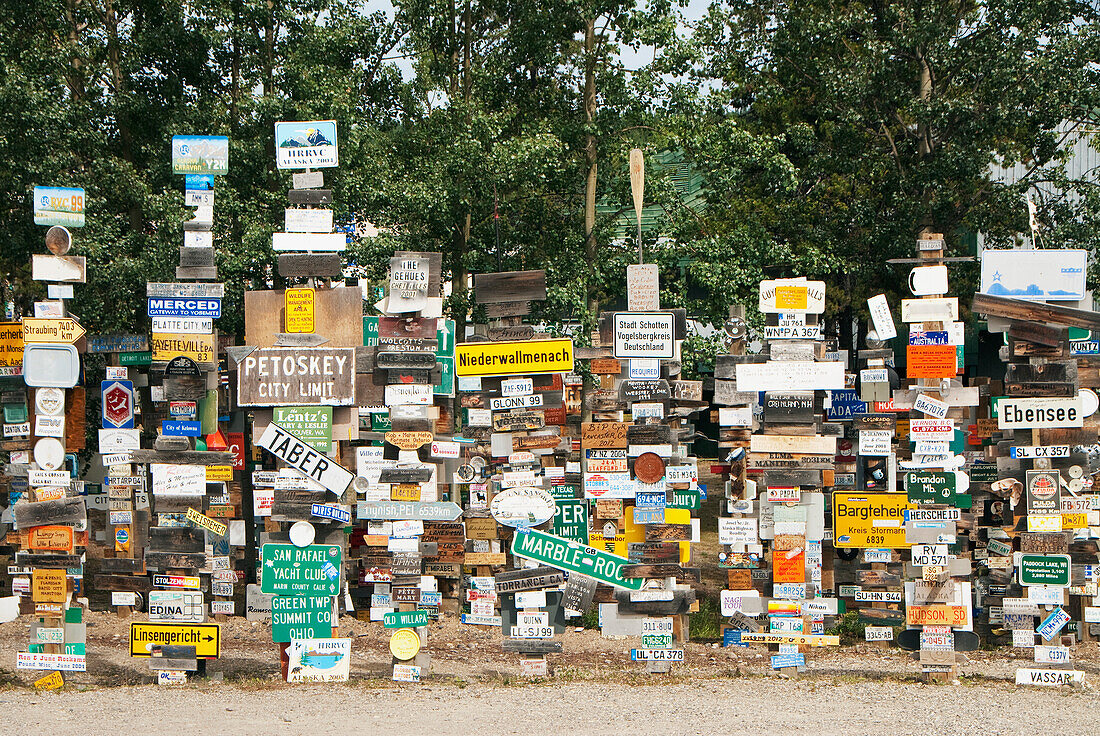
644	335
297	376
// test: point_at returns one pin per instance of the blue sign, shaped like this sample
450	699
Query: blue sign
200	154
929	338
732	638
117	397
168	306
175	428
788	660
198	182
59	206
649	516
845	405
1053	623
325	511
650	500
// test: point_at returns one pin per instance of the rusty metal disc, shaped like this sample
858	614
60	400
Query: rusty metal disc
649	467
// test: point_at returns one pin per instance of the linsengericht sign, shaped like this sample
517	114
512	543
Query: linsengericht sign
1055	275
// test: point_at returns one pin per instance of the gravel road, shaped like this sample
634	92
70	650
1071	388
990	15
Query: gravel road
746	705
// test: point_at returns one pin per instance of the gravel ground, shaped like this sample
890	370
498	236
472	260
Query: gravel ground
747	705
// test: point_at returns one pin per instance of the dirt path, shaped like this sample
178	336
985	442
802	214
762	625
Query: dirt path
749	705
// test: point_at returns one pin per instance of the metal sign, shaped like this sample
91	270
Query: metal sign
1045	413
423	510
309	144
118	404
514	358
644	335
302	457
165	306
299	305
65	330
792	296
870	520
301	617
200	154
573	557
59	206
206	638
1038	569
290	570
181	606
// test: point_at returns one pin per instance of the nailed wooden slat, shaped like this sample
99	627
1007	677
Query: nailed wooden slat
509	286
1025	311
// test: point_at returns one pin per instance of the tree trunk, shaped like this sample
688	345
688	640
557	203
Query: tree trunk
122	112
590	163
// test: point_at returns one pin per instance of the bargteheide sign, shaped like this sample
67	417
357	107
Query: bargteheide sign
297	376
302	457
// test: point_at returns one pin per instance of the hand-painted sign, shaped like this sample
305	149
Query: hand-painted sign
297	376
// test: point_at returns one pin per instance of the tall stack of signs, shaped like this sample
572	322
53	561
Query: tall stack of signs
791	459
186	551
513	414
297	376
639	476
413	546
49	514
938	601
1046	458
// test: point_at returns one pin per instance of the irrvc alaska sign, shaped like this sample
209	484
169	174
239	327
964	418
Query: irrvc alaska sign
297	376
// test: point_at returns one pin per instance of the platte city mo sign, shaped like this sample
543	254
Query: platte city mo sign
297	376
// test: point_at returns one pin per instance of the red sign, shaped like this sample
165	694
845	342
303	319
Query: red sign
931	361
236	446
118	404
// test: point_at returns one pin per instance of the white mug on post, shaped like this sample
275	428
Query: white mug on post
926	280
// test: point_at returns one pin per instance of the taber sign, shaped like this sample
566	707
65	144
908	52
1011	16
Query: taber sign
573	557
303	458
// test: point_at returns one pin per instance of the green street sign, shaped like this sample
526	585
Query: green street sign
446	385
571	520
445	334
380	423
370	331
289	570
563	492
405	619
143	358
656	641
311	424
935	486
685	500
301	617
570	556
1044	570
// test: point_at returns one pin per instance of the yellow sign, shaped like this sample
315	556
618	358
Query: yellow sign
870	520
1074	521
11	345
409	440
791	297
519	358
298	305
49	586
52	681
168	345
404	644
219	472
405	492
206	638
206	522
51	330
